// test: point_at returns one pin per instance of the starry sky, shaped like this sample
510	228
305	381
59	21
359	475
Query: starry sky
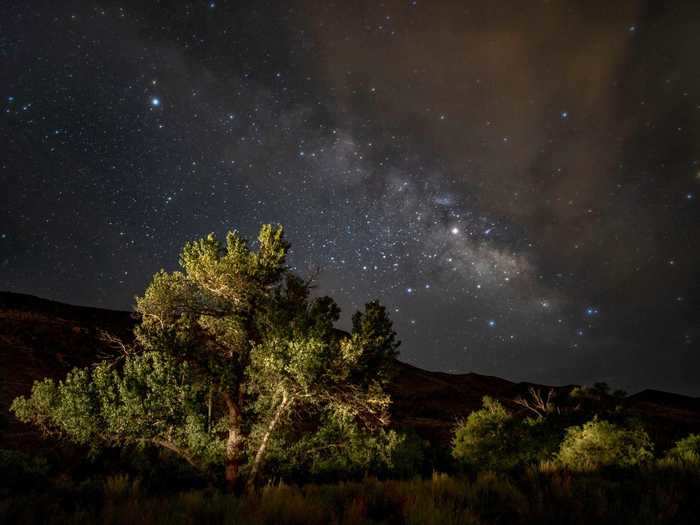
518	182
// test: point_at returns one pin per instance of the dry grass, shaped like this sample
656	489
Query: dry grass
538	495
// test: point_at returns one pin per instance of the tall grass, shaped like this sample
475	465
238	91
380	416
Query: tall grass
544	494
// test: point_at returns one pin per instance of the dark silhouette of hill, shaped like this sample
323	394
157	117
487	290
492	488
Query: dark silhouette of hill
41	338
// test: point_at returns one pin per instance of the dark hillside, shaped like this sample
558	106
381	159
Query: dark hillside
41	338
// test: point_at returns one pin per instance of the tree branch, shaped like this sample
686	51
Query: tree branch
266	438
177	450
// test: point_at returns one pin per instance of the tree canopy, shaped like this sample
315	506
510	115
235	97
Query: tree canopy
233	360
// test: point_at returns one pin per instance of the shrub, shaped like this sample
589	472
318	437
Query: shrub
597	444
685	453
409	457
486	438
493	439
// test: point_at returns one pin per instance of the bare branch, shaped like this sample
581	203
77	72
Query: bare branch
117	349
169	445
537	404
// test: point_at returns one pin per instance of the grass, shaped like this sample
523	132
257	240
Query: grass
544	494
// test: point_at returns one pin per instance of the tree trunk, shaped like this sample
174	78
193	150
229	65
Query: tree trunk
260	454
234	446
234	459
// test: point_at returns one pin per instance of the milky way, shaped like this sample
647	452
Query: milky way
517	182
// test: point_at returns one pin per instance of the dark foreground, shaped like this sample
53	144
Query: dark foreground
538	495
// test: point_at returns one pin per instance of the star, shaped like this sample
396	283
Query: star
455	230
155	102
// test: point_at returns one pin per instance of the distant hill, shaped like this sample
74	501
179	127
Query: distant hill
41	338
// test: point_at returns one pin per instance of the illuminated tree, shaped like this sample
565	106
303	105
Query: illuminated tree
232	353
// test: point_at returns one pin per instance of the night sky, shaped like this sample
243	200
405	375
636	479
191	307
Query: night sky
518	182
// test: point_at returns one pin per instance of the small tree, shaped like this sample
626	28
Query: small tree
598	444
232	353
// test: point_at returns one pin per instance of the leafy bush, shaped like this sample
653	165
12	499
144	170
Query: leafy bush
597	444
409	457
493	439
486	438
686	453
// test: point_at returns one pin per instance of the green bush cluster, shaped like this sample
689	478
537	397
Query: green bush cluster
494	438
598	444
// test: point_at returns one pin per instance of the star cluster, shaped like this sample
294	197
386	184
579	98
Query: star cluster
517	184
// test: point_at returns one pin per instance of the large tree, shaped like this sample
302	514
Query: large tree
232	353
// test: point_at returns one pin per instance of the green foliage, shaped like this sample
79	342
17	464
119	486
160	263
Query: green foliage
338	448
685	453
233	355
372	331
486	438
492	438
598	444
599	393
411	456
151	400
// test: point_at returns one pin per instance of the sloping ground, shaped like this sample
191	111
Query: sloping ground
41	338
431	402
670	415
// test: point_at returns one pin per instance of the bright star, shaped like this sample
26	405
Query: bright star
492	323
155	102
564	114
455	230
